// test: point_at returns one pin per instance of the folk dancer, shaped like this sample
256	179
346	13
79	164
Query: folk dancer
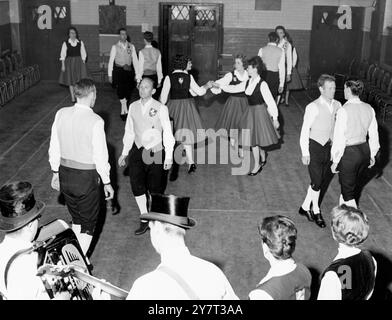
315	141
148	143
122	69
78	156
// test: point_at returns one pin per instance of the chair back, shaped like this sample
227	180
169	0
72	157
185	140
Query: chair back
370	72
378	76
386	79
2	68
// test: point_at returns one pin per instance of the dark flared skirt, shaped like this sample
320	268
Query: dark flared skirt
187	125
75	70
296	82
257	128
231	114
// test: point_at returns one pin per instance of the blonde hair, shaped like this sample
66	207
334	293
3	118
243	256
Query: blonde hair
349	225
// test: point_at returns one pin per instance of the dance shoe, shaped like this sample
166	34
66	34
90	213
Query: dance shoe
307	213
318	219
252	174
192	169
142	228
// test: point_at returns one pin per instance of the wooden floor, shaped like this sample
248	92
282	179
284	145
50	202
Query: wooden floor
226	207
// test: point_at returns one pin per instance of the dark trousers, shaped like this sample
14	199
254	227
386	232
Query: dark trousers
81	190
146	177
154	78
124	81
354	162
272	79
320	164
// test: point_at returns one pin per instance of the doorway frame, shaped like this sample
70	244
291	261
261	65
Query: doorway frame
161	28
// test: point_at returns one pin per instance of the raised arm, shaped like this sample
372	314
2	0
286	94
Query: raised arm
224	81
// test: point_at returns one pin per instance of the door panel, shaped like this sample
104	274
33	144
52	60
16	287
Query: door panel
46	24
195	31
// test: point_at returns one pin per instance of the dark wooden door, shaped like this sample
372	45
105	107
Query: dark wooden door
46	24
331	47
194	30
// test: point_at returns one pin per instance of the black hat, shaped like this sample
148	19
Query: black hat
18	206
169	209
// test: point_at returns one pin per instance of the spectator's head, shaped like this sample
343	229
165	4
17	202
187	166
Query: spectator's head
273	37
281	32
123	34
19	210
148	37
353	88
256	67
146	88
349	225
327	86
240	62
179	62
168	221
73	33
278	235
188	63
86	92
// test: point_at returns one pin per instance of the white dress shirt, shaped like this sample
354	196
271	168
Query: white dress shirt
206	279
339	139
281	66
83	52
167	136
277	270
23	282
330	287
288	49
227	78
265	92
311	112
141	65
100	152
194	87
113	52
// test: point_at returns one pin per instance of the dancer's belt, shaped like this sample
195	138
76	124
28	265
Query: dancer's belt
77	165
355	144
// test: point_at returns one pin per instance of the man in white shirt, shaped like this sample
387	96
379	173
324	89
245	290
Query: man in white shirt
78	157
351	151
180	275
149	142
150	63
274	59
122	69
315	141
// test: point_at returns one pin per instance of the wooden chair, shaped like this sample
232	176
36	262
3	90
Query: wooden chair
225	64
102	72
6	85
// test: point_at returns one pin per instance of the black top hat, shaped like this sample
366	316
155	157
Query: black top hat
169	209
18	206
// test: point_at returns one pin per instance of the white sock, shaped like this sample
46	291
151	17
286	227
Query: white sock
351	203
142	203
308	200
85	241
189	153
341	200
315	201
124	106
76	228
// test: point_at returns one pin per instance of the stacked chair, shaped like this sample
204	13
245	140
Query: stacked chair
378	85
15	78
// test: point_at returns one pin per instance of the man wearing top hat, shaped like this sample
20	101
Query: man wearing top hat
148	144
19	219
180	275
